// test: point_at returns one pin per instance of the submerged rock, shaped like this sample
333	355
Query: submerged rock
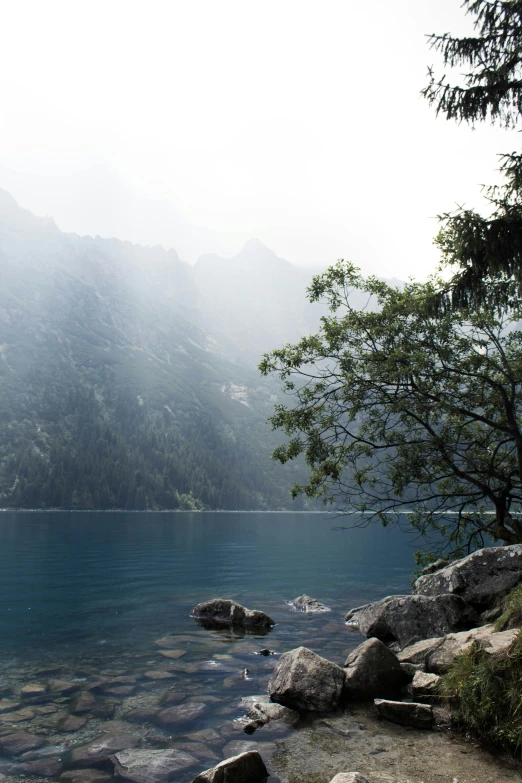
45	768
19	742
303	680
7	705
478	578
372	670
408	618
309	605
182	713
225	612
406	713
151	766
33	689
99	750
248	767
84	702
349	777
85	776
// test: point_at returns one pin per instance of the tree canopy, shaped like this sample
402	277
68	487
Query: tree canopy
484	252
400	409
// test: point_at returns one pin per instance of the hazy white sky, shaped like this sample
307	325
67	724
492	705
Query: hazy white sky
245	116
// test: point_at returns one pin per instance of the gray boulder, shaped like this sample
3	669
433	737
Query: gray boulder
303	680
225	612
349	777
479	578
408	618
424	685
309	605
151	766
248	767
406	713
441	656
372	670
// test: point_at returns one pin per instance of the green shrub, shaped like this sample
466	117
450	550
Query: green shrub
485	693
511	617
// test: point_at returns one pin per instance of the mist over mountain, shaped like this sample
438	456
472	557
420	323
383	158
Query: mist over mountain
129	378
97	200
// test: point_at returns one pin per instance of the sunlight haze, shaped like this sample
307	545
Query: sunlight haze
300	124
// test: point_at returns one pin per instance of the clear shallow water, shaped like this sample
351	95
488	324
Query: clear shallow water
89	592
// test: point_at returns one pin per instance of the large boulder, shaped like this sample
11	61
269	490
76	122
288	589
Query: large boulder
408	618
225	612
372	670
479	578
248	767
151	766
304	603
406	713
303	680
438	654
441	657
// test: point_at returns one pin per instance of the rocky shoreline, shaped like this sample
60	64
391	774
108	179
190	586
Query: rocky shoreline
142	719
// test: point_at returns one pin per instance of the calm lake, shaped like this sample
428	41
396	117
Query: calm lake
86	597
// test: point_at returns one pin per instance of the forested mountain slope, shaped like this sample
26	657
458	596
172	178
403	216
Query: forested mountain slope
121	387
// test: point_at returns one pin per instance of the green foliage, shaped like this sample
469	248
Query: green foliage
492	87
398	409
484	253
485	693
511	616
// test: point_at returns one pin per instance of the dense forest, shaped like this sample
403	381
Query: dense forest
121	386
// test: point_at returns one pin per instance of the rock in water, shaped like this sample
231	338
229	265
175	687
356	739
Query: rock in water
182	713
86	776
303	680
248	767
99	750
19	742
84	702
372	670
478	578
406	713
408	618
225	612
262	711
349	777
151	766
309	605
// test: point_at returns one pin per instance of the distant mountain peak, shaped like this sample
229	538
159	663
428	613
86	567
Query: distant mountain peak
14	217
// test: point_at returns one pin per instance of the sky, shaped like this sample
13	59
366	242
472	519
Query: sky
299	123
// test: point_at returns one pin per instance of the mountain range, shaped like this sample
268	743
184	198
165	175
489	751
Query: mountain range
129	378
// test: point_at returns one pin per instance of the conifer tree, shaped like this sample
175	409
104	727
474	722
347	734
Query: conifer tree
486	250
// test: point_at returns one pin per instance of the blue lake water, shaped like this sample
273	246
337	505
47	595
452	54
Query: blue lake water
90	592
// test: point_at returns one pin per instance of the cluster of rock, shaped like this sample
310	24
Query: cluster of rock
413	639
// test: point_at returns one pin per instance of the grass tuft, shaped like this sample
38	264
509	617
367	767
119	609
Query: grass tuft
485	693
511	616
